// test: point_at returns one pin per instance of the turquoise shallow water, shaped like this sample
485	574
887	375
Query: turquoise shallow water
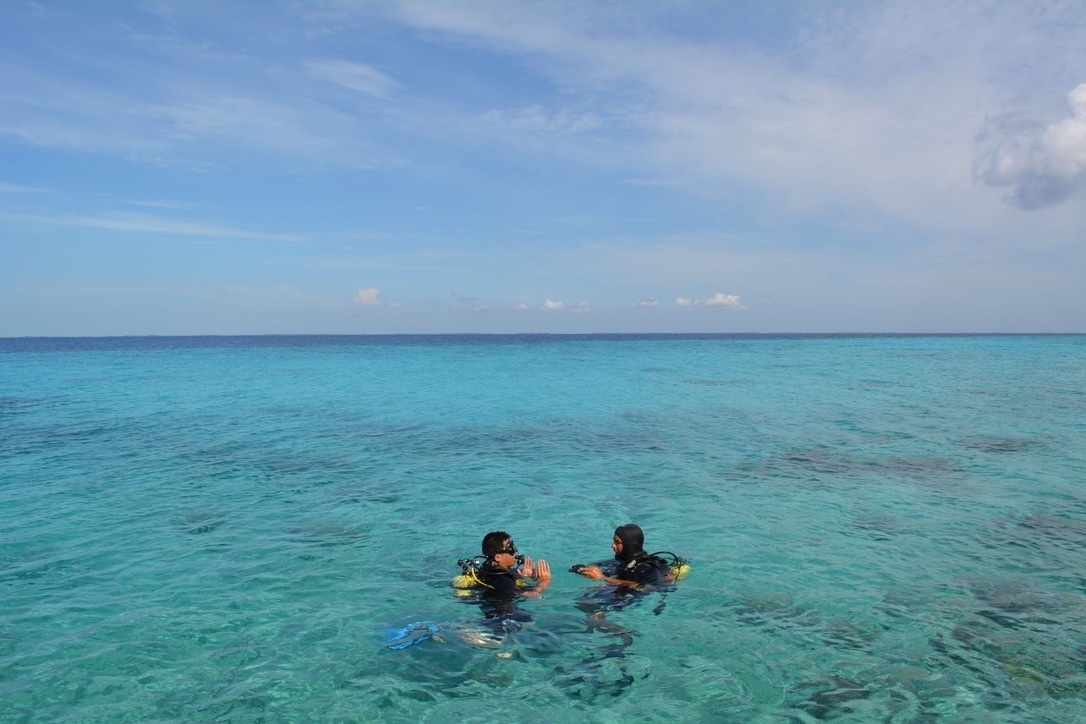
235	529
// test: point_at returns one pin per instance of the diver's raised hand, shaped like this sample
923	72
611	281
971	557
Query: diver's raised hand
543	572
540	571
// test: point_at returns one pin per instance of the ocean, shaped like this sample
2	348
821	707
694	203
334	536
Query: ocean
879	528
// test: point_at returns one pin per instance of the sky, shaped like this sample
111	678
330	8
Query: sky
337	167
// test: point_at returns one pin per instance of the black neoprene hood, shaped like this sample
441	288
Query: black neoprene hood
633	541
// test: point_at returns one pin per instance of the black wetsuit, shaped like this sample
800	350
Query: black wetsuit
499	594
631	563
642	568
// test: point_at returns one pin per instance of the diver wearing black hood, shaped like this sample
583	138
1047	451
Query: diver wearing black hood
636	568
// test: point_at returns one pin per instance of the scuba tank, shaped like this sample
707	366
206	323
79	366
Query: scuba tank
469	574
677	569
469	580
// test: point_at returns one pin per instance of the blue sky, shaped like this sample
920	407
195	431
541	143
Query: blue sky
331	166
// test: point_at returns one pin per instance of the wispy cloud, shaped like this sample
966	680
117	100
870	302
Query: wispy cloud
838	114
191	105
534	119
150	224
16	189
239	123
163	204
840	117
355	76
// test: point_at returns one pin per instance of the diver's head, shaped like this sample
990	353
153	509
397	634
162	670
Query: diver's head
628	541
494	543
498	547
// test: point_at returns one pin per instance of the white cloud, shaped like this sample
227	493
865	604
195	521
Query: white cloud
1042	165
551	305
720	299
645	302
367	296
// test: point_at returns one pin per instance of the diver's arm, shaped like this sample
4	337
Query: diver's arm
597	574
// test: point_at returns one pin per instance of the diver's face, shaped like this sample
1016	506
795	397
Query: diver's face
508	557
616	545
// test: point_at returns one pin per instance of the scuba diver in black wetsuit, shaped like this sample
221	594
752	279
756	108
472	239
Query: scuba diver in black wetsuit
631	575
496	584
501	583
635	569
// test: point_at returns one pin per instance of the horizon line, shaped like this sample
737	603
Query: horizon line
543	334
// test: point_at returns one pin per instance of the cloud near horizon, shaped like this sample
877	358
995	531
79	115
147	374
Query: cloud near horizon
367	296
720	299
552	305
